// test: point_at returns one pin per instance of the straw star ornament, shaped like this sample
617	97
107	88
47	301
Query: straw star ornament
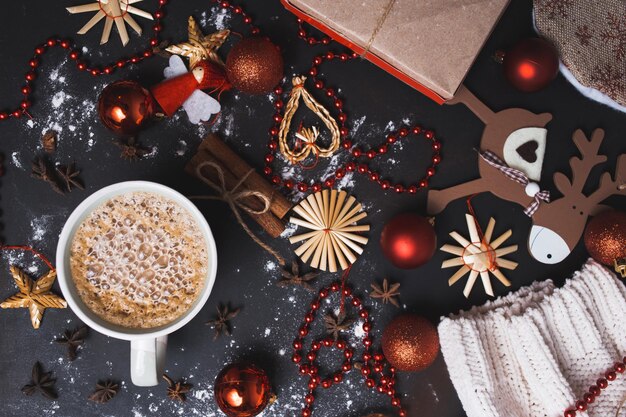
480	257
113	11
34	295
199	46
333	241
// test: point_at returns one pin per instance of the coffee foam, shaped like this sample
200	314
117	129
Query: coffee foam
139	260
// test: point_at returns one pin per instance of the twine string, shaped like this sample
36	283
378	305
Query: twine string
234	199
491	255
110	16
379	25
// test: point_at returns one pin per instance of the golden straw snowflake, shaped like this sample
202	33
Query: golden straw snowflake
332	219
118	11
479	257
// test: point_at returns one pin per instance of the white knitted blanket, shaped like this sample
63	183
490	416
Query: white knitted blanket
536	351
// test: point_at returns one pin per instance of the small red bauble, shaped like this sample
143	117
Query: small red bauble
410	343
408	241
254	66
125	106
531	64
605	237
242	390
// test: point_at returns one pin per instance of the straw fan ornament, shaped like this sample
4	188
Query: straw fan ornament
333	241
479	257
112	11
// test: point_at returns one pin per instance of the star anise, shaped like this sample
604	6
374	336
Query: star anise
387	293
49	141
293	277
177	390
131	149
221	322
73	339
69	174
105	391
40	382
42	170
336	324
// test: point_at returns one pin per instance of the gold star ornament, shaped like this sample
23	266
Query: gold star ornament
112	11
200	47
34	295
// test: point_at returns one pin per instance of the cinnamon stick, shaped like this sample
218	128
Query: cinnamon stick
280	205
268	221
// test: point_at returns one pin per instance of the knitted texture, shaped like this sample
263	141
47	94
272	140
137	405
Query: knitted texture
536	351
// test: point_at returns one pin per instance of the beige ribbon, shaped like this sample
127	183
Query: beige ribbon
379	25
621	407
234	199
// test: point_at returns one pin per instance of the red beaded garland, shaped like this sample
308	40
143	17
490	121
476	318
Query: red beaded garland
158	15
596	390
373	363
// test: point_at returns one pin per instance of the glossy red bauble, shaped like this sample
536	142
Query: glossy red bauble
125	106
410	343
242	390
254	66
531	64
408	240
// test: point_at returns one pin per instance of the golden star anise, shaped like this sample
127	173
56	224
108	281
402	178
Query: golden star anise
177	390
387	293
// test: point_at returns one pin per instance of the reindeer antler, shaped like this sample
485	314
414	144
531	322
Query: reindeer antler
581	167
609	186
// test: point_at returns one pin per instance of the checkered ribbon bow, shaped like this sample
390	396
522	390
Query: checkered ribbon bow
519	177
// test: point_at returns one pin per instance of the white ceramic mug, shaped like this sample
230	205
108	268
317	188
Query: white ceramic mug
147	346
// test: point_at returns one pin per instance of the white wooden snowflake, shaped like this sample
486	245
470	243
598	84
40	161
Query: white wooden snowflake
118	11
479	257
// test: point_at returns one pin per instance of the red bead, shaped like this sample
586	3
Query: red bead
296	358
610	375
327	383
362	168
429	134
371	154
436	159
316	188
330	55
340	344
315	305
348	353
302	187
619	367
327	342
269	158
274	131
402	413
412	189
589	398
304	369
306	412
162	2
319	84
33	63
30	76
330	92
374	176
108	70
602	383
338	103
317	60
356	301
3	116
311	41
423	184
74	55
342	117
378	357
395	402
25	104
346	144
157	28
323	293
302	33
365	371
391	139
147	53
311	356
344	57
569	413
26	90
81	66
385	184
278	118
398	188
367	327
120	63
325	41
351	166
370	383
356	152
417	130
278	104
316	345
436	145
135	59
329	183
267	171
247	20
382	149
347	292
366	357
95	72
309	399
297	344
154	42
39	50
309	317
367	342
303	331
313	72
51	42
346	366
272	144
340	173
17	114
276	179
363	314
403	132
344	131
430	172
581	405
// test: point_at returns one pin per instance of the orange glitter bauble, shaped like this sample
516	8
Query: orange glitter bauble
605	237
254	66
242	390
410	343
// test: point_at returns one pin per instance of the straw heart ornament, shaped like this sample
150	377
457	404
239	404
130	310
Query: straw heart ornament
479	257
333	242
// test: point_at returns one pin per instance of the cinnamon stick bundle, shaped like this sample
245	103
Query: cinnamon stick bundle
213	149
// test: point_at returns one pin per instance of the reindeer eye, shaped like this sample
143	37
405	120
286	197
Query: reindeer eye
549	256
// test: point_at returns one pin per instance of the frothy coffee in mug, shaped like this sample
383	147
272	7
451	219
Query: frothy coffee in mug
139	260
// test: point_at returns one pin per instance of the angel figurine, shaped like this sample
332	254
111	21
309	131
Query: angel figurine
183	88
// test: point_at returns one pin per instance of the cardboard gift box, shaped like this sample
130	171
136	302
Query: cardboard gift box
428	44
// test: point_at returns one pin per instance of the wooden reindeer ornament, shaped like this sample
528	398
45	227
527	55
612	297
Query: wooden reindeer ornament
510	161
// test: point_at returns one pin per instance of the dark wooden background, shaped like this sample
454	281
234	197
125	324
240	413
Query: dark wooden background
65	100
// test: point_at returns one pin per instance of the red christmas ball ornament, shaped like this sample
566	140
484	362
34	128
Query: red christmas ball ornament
125	106
531	64
408	241
254	65
242	390
605	239
410	343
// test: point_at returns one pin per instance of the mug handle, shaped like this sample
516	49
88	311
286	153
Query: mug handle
147	359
